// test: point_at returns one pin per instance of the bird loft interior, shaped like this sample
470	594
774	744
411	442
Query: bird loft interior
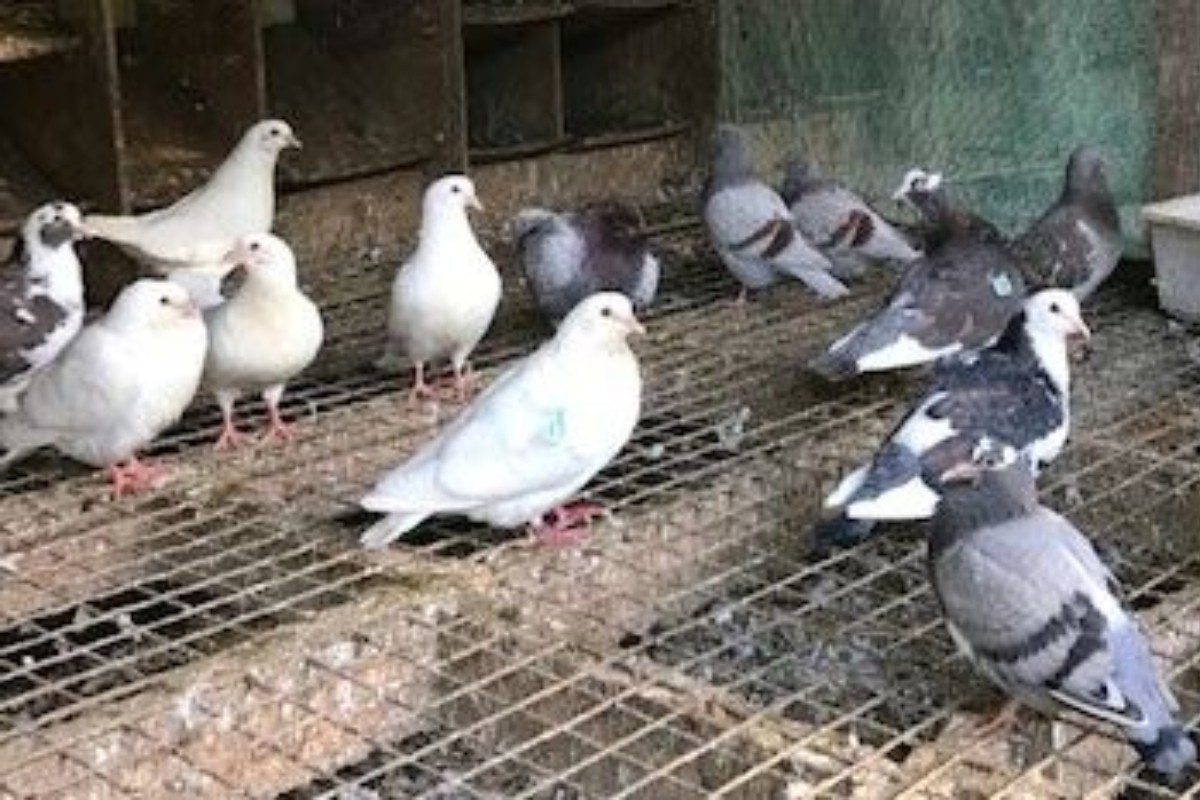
162	88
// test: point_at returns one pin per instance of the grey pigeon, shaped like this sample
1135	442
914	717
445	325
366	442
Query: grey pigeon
1028	600
839	222
570	256
958	297
1012	399
123	380
533	439
1076	244
751	227
942	217
41	297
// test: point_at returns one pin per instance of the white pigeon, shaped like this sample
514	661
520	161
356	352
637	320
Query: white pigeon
41	297
445	295
263	336
193	234
123	380
533	439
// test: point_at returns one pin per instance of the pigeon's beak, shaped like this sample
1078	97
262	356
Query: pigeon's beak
473	202
294	141
633	327
237	257
1080	329
962	472
189	309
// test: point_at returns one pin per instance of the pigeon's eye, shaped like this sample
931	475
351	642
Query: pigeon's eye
164	301
606	312
456	189
1054	308
254	246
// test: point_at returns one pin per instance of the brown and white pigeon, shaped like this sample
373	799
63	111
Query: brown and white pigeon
958	297
1026	597
1012	399
1076	244
840	222
751	227
41	297
573	255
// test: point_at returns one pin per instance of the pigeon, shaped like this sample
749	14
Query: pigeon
752	229
445	295
1026	597
1076	244
958	297
942	218
123	380
533	439
1012	400
568	257
41	297
839	222
261	337
189	238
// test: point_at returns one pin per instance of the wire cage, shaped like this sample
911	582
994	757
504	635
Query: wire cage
226	637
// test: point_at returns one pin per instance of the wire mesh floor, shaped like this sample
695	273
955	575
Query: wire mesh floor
225	637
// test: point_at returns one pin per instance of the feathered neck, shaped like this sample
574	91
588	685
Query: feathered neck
994	498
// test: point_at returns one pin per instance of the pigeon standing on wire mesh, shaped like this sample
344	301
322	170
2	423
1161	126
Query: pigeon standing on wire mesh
123	380
1028	600
263	336
445	295
599	248
751	227
838	221
942	218
41	297
532	440
1076	244
958	297
1012	399
187	240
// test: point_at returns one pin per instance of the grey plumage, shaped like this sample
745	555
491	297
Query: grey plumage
1026	597
751	227
942	217
570	256
840	222
1076	244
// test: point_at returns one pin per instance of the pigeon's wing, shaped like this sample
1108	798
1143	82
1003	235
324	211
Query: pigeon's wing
1033	616
516	439
748	217
1066	249
88	389
26	320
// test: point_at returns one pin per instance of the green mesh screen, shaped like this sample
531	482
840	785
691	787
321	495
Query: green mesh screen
992	93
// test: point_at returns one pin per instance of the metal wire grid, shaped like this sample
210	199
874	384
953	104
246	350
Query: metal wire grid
523	707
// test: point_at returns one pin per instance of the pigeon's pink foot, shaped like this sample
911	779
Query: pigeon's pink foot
1001	723
743	298
230	439
420	390
464	383
565	525
277	430
135	476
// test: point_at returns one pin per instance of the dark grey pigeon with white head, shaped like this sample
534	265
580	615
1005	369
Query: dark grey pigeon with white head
570	256
1011	400
1028	600
1076	244
751	227
840	222
41	297
942	217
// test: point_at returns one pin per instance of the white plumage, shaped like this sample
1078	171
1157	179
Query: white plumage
445	295
196	231
263	336
122	381
533	439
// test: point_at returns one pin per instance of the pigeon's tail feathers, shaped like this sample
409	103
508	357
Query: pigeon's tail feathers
847	489
119	230
822	282
389	529
1170	753
839	531
892	488
840	361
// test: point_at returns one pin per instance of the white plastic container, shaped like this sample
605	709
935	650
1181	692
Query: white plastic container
1175	238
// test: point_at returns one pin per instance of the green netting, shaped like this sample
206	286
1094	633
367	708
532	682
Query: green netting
993	92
